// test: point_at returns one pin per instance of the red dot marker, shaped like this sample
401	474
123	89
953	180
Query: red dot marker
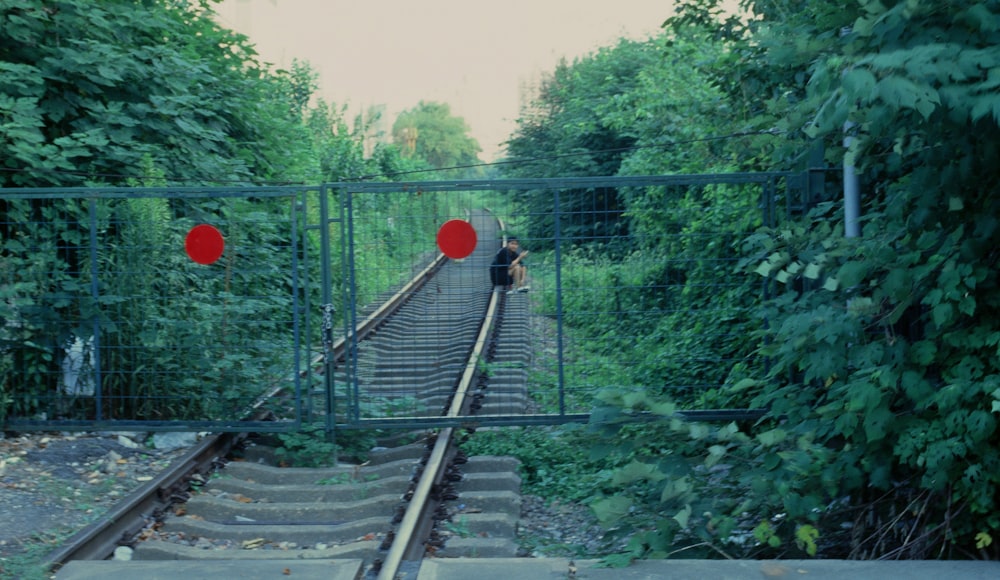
204	244
456	239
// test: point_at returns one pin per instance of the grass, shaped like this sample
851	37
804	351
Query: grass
555	461
27	562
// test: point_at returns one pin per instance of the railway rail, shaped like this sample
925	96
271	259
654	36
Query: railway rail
407	501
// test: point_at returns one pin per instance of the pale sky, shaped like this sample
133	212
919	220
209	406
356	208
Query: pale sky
472	54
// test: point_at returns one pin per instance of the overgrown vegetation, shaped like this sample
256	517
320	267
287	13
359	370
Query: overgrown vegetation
881	386
555	461
92	96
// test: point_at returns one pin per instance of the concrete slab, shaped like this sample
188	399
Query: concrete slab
560	568
213	570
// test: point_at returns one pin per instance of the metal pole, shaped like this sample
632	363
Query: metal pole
95	293
347	252
559	305
297	209
328	310
852	197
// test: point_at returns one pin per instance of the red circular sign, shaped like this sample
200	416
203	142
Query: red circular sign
204	244
457	239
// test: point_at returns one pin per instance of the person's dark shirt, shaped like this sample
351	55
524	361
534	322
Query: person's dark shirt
501	262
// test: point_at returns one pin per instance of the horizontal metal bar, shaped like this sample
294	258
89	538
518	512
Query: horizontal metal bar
160	426
707	415
561	182
139	192
464	421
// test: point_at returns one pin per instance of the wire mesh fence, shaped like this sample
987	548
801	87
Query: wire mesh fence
153	307
115	312
633	285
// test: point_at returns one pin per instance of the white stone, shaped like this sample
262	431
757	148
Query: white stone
123	554
171	441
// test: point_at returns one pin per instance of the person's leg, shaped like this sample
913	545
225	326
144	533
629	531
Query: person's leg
523	286
517	273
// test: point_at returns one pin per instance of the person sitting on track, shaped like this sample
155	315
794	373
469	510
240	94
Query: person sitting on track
507	269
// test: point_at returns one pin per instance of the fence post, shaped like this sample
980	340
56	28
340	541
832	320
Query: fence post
559	307
327	300
852	197
95	292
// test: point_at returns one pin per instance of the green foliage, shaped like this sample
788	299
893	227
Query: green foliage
89	89
567	132
554	460
311	446
882	384
308	447
39	292
94	94
884	348
882	380
430	132
206	364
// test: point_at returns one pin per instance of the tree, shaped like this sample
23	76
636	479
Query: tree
912	356
87	91
883	385
128	93
430	132
570	130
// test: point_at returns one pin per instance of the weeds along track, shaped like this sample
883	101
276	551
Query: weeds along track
414	496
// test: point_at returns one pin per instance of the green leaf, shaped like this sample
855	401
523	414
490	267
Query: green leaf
683	516
612	509
805	538
852	273
715	454
663	408
772	437
876	423
637	471
744	384
943	314
986	105
764	269
675	488
859	82
983	540
771	461
699	431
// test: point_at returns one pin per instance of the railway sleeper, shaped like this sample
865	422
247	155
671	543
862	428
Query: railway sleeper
300	534
352	489
268	474
170	551
219	508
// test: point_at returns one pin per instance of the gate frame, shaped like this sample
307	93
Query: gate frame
807	184
297	218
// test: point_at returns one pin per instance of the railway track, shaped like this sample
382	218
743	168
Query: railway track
428	344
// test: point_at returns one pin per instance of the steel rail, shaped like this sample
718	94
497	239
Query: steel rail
415	527
98	540
369	324
127	518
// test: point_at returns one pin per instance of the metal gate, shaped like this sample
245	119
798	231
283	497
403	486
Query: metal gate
117	312
591	260
154	308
